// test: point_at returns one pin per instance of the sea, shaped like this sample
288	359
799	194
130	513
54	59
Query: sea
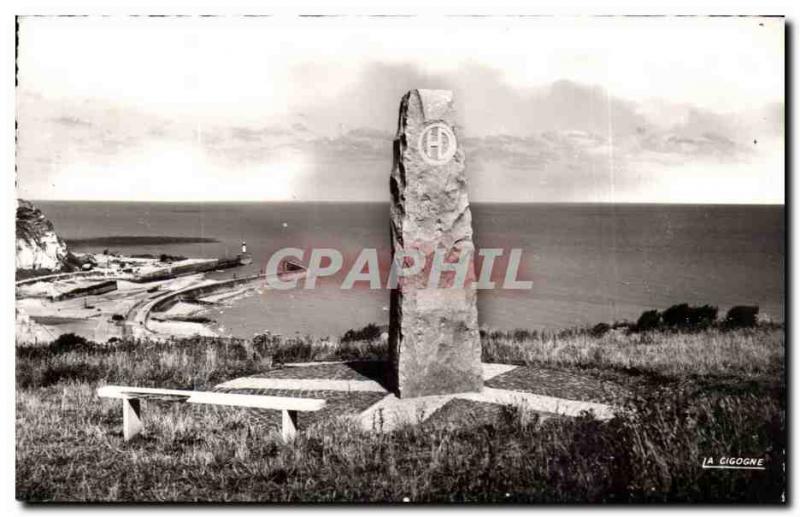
588	263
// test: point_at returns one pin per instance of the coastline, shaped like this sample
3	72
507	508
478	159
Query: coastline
126	296
136	240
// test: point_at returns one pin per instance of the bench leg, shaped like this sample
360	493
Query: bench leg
131	418
289	429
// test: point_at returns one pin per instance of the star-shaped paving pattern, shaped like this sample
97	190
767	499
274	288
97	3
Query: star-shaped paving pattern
390	411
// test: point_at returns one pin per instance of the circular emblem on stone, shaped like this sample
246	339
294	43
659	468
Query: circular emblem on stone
437	143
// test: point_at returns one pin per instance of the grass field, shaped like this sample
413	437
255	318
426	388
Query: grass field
711	393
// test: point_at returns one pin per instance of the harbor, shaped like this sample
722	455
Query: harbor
126	296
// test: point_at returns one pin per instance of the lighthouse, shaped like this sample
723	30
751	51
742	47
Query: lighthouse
244	257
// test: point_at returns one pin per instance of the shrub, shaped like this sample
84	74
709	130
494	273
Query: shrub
682	316
742	316
702	317
164	257
523	334
676	316
368	333
117	317
45	374
600	329
68	343
649	320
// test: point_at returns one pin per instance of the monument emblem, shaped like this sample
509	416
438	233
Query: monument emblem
437	143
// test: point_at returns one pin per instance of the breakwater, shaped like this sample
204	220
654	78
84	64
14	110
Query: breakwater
57	276
89	290
188	269
190	293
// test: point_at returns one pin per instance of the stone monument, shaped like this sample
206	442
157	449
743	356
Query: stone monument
434	343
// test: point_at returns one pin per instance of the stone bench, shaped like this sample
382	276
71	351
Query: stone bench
132	411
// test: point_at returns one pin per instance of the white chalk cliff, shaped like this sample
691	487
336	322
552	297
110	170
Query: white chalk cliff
38	246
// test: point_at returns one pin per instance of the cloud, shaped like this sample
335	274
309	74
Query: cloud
564	141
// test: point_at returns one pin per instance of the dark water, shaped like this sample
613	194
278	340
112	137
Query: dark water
589	263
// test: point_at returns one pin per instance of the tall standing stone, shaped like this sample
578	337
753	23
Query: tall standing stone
433	336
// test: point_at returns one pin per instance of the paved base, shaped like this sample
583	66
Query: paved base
265	383
540	403
390	412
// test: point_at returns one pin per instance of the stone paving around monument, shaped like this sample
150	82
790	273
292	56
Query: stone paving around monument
560	383
357	389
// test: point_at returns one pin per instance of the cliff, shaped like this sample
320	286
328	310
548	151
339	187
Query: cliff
38	246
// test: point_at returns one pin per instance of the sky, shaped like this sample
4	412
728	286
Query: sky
647	110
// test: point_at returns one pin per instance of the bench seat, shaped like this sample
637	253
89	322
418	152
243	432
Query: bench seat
132	412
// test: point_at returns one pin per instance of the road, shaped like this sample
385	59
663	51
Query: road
136	319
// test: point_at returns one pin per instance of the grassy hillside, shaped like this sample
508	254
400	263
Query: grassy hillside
709	393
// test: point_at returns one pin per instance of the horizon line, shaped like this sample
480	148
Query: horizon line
372	201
